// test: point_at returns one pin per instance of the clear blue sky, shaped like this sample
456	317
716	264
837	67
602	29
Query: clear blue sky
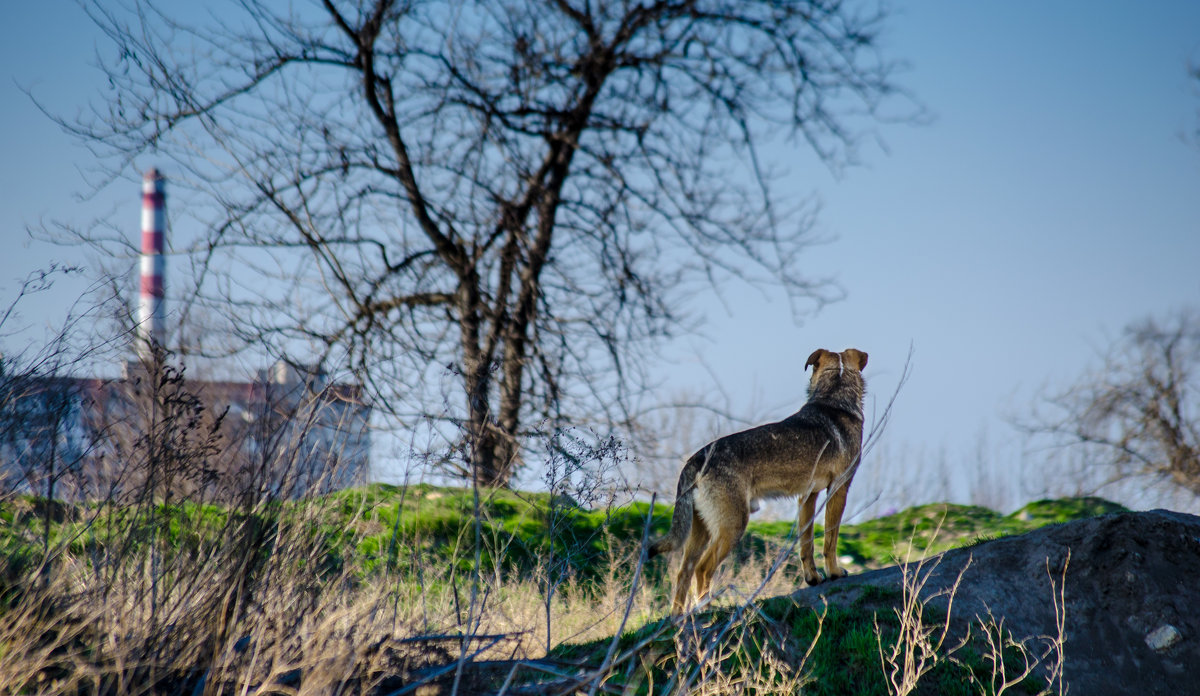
1053	199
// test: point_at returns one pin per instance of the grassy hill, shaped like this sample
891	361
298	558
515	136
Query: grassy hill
382	586
518	530
383	530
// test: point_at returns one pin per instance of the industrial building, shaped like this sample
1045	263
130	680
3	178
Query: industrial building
155	432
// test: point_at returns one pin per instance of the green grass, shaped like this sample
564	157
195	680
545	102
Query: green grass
517	531
377	528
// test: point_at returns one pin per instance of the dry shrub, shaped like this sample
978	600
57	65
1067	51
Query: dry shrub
921	644
926	638
1012	660
253	608
154	589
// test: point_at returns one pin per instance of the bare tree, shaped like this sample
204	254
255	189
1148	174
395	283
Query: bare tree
1139	413
491	210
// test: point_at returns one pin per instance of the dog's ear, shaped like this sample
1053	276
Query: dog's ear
857	357
815	357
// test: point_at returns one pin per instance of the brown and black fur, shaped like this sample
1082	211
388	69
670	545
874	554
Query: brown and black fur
816	448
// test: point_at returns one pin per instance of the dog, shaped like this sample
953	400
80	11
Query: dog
818	447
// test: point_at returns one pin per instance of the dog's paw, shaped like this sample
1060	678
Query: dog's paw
838	573
813	579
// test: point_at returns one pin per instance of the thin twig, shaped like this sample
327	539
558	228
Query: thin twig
637	574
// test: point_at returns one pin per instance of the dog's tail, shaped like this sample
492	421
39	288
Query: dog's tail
681	519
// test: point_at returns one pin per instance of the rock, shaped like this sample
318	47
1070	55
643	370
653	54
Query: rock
1131	604
1163	637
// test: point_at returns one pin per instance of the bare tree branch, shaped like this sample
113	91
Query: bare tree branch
492	211
1137	414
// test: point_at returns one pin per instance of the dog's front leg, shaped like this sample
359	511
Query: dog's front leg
808	511
835	505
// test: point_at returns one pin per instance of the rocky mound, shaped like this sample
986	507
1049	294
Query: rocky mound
1132	596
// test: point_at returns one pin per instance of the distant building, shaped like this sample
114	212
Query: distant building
286	433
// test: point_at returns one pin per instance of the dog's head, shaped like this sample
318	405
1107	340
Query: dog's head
824	361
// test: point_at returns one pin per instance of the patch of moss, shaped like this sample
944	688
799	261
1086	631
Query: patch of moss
1043	512
930	529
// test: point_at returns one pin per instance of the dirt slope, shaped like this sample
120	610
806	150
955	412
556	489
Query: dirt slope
1132	596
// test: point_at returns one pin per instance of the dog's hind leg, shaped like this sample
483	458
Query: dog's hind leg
835	505
808	512
734	515
697	541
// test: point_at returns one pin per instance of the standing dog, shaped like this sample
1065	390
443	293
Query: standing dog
816	448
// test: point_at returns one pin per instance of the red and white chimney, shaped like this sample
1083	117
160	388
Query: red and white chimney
151	320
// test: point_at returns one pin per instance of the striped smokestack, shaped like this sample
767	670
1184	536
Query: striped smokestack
150	316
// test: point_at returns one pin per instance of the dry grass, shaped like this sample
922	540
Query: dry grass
254	608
